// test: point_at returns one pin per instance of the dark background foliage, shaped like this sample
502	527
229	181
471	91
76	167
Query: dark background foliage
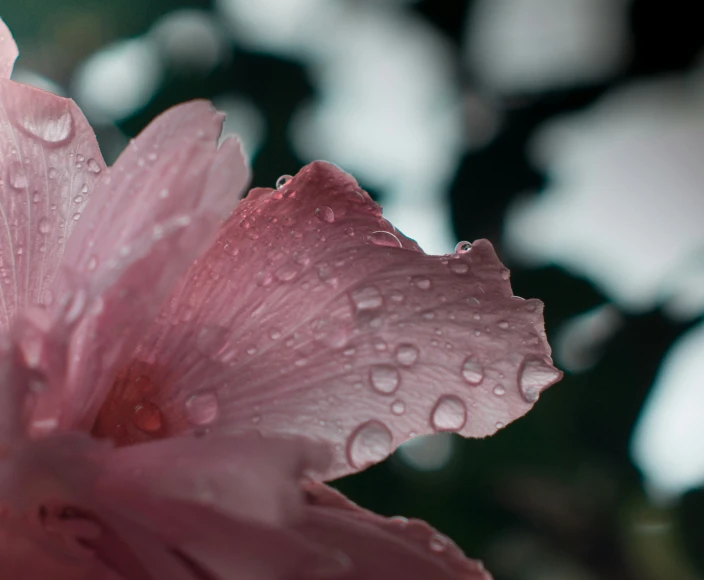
555	495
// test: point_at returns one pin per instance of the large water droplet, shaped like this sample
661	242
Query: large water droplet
366	298
283	180
212	340
93	166
463	248
148	417
449	414
536	375
50	128
382	238
202	408
406	354
472	371
384	378
325	214
44	226
368	444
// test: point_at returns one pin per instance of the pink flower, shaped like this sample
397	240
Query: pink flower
175	384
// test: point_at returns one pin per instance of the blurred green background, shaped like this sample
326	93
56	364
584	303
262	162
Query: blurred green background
420	103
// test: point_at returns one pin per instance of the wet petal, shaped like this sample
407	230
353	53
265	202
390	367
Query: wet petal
156	211
371	547
222	506
312	315
49	163
8	51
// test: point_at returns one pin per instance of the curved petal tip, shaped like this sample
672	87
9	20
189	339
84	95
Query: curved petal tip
8	51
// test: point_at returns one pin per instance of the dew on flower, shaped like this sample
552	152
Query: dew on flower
366	298
472	371
463	247
202	408
49	128
325	214
449	414
369	443
406	354
147	417
534	376
384	378
382	238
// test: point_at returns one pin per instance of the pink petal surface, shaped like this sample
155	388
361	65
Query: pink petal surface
182	509
311	315
49	163
158	208
8	51
377	548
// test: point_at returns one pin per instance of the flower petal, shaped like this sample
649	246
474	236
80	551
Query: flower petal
156	211
377	548
49	163
221	505
8	51
312	315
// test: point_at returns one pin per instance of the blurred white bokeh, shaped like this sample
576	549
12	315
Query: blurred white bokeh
525	46
624	199
668	439
119	80
190	39
580	340
428	452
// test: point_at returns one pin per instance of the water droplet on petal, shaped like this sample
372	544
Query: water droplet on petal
263	279
536	375
398	407
17	175
459	267
499	390
92	262
384	378
349	230
382	238
93	166
505	273
147	417
438	543
283	180
325	214
472	371
212	340
449	414
366	298
202	408
52	129
368	444
503	325
463	248
287	272
406	354
44	226
421	283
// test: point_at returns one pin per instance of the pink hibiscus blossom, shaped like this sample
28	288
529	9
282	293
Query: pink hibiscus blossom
180	370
